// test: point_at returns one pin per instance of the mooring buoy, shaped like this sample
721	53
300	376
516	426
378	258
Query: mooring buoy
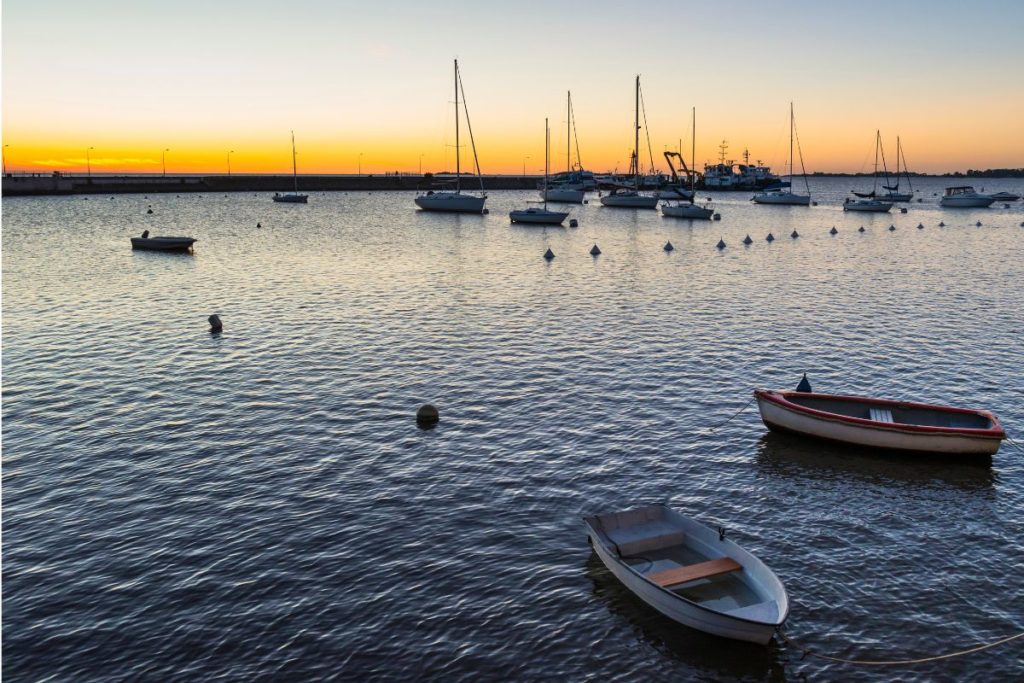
747	240
573	223
860	229
833	231
668	246
259	225
903	210
770	237
721	244
549	254
427	415
942	224
215	324
892	228
794	234
978	224
486	211
716	217
594	251
149	210
804	386
920	226
586	201
814	203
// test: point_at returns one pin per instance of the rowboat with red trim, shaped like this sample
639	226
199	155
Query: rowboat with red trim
690	572
881	423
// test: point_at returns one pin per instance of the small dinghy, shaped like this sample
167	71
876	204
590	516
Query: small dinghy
880	423
162	243
690	573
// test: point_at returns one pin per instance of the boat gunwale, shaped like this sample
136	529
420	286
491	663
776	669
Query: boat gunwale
781	399
607	544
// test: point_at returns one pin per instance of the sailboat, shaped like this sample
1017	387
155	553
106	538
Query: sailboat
894	194
867	201
782	196
534	214
457	201
632	198
570	191
295	197
689	209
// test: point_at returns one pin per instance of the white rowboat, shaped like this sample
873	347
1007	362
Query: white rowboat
880	423
690	573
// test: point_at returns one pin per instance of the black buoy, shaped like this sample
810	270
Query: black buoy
814	203
920	226
860	229
794	234
549	254
833	231
259	225
721	244
586	201
716	217
892	228
215	324
594	251
668	246
486	211
149	210
804	385
747	240
573	223
427	415
978	224
903	210
770	237
942	224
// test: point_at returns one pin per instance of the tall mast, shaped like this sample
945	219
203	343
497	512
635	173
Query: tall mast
878	142
693	155
458	150
636	136
547	160
295	171
568	134
905	169
791	143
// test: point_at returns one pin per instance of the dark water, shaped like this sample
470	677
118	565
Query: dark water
261	505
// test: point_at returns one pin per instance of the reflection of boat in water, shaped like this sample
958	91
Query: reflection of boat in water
689	572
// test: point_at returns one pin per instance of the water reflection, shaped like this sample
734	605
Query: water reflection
794	456
721	658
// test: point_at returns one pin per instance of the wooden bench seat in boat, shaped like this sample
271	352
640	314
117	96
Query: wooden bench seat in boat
881	414
692	572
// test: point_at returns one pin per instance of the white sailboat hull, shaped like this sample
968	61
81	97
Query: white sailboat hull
451	202
563	195
630	201
786	198
686	211
538	216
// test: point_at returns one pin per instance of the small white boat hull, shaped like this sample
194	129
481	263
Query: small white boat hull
867	206
630	200
964	202
755	624
563	195
451	202
687	211
785	198
780	414
538	216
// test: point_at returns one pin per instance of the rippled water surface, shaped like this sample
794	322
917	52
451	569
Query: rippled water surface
261	504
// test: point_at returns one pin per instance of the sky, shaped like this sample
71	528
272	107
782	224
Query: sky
368	86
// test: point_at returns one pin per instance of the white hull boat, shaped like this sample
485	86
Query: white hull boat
682	210
538	216
882	424
629	199
965	197
867	205
690	573
451	202
163	243
786	198
563	195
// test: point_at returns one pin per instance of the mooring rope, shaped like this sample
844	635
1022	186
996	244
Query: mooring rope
1015	444
708	430
895	662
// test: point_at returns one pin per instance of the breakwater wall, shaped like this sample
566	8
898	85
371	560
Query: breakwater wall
15	185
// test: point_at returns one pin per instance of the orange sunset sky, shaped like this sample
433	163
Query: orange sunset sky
369	86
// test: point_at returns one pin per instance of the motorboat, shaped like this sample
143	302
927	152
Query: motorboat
691	573
294	197
456	201
630	199
882	423
867	204
782	196
148	243
1005	197
687	210
965	196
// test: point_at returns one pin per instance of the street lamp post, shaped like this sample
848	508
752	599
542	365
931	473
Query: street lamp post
359	163
421	164
229	162
5	158
163	160
88	162
524	166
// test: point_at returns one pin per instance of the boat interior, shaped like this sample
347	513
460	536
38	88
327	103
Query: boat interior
656	546
893	414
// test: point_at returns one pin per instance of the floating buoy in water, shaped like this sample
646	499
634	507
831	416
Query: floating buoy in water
860	229
586	201
814	203
903	210
942	224
804	386
549	254
833	231
215	324
594	251
892	228
721	244
486	211
770	237
716	217
919	200
573	223
794	234
920	226
978	224
1022	224
149	210
259	225
747	240
668	246
1006	206
427	415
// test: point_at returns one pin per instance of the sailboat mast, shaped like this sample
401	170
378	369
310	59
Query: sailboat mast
791	144
636	136
906	171
693	155
547	160
295	170
458	150
568	133
878	143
